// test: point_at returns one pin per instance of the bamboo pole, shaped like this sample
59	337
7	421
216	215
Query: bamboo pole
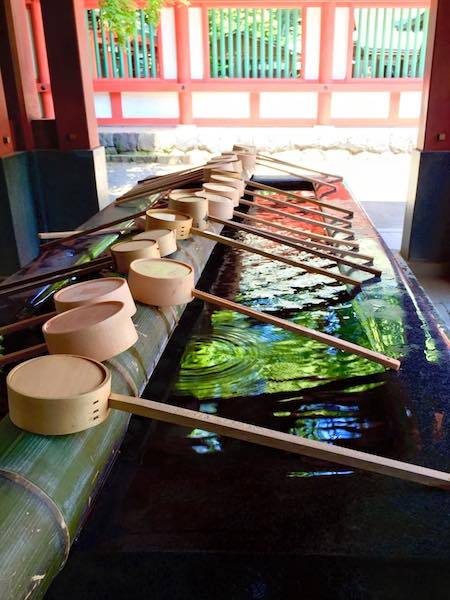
48	484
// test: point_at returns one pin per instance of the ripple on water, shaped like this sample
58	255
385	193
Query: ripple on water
241	356
219	364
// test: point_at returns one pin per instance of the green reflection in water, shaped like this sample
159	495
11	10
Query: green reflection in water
243	357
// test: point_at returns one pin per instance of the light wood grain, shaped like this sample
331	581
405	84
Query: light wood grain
19	286
103	225
298	246
320	174
285	260
324	338
297	231
262	436
301	208
312	200
299	218
19	355
26	323
99	331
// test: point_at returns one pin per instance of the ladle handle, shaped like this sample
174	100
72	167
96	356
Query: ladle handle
275	166
300	246
33	281
296	217
289	164
300	208
25	323
325	338
262	186
14	357
279	440
288	261
304	233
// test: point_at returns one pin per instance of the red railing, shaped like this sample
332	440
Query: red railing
176	84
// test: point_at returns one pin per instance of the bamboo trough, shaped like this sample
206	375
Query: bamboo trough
50	492
53	499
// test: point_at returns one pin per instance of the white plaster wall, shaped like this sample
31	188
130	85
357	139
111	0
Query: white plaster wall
340	42
288	105
218	105
410	104
162	105
196	42
312	43
169	47
360	105
102	104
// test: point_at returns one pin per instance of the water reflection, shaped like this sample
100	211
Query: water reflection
240	368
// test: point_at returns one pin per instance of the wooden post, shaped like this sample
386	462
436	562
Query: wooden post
72	88
183	63
427	218
326	61
434	126
6	142
19	78
43	73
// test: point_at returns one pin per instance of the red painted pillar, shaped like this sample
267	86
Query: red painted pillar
68	59
427	219
434	128
183	62
19	77
43	74
6	142
326	61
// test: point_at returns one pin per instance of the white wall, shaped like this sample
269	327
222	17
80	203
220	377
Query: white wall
102	104
340	43
221	105
288	105
312	43
410	105
169	47
360	105
196	43
162	105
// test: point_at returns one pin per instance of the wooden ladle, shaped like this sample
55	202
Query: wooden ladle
219	209
64	394
93	318
183	225
164	282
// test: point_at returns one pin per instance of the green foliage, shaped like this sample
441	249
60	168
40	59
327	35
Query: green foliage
121	16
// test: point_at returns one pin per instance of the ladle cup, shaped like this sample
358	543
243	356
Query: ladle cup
65	394
166	282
